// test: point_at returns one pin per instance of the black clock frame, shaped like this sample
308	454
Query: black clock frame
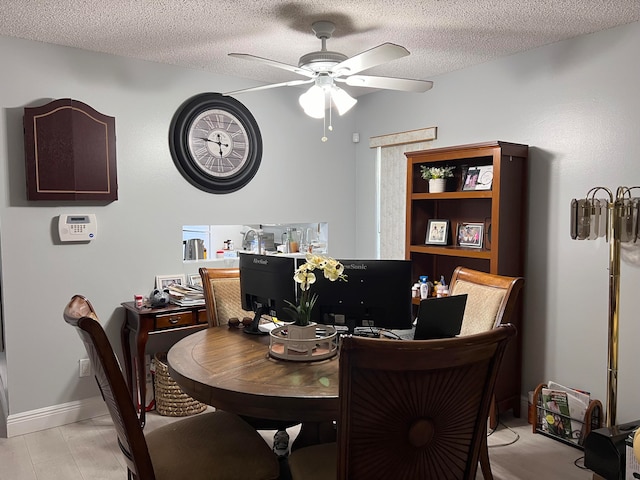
179	143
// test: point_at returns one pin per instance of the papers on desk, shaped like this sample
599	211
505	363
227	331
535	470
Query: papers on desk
186	295
267	327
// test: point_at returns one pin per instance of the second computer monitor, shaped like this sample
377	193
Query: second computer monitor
266	285
377	293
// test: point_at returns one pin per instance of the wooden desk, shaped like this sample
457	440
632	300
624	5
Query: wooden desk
166	324
230	370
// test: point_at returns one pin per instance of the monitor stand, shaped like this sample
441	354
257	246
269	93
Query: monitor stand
253	329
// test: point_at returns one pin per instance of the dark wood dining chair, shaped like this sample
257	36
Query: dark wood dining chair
409	410
216	445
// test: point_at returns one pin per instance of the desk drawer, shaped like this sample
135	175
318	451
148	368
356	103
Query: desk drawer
202	316
172	320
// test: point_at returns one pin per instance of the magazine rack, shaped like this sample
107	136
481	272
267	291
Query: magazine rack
592	419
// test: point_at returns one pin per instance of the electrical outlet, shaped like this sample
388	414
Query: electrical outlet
85	367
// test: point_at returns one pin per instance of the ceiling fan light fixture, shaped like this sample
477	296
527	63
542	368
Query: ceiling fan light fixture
313	101
325	67
342	100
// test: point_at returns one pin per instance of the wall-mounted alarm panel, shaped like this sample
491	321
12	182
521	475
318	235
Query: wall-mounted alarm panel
77	228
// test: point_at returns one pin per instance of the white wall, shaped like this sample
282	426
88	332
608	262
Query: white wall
576	104
140	235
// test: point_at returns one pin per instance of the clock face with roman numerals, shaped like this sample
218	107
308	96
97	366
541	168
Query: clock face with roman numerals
215	143
218	143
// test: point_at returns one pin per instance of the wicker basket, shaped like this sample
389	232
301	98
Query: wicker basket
171	401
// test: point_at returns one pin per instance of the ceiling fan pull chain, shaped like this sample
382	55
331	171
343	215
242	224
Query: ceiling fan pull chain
327	98
330	115
324	127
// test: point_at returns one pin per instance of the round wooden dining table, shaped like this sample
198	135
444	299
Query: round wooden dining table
231	370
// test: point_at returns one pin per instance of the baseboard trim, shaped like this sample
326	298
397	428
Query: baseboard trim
55	416
4	410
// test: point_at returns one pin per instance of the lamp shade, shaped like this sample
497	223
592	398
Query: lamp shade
342	100
313	101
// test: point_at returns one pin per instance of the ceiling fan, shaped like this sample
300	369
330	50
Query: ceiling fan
324	68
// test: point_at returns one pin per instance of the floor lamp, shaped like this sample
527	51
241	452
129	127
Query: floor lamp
616	219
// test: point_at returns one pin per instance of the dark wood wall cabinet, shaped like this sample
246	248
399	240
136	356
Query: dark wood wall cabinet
501	210
70	152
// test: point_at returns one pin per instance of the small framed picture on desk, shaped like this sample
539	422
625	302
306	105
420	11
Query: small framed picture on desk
164	281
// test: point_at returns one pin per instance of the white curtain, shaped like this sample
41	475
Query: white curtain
392	186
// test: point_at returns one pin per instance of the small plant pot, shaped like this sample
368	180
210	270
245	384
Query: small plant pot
437	185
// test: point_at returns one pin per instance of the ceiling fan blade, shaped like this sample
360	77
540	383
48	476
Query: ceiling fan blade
370	58
388	83
291	83
273	63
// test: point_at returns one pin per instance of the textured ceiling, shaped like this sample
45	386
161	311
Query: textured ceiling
442	35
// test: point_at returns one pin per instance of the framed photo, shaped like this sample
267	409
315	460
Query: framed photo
478	178
195	279
470	234
437	232
163	281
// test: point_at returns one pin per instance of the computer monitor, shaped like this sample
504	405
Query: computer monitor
377	293
266	284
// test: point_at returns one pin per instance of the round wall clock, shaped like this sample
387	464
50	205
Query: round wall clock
215	143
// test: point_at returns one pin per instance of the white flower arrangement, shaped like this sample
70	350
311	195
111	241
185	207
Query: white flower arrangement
429	173
305	276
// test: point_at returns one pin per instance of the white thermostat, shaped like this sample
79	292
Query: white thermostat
77	228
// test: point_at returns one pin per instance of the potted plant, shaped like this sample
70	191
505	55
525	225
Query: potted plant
305	276
302	328
437	177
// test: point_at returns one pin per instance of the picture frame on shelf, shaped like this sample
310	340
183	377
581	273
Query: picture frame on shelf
437	232
194	279
463	175
478	178
470	234
164	281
